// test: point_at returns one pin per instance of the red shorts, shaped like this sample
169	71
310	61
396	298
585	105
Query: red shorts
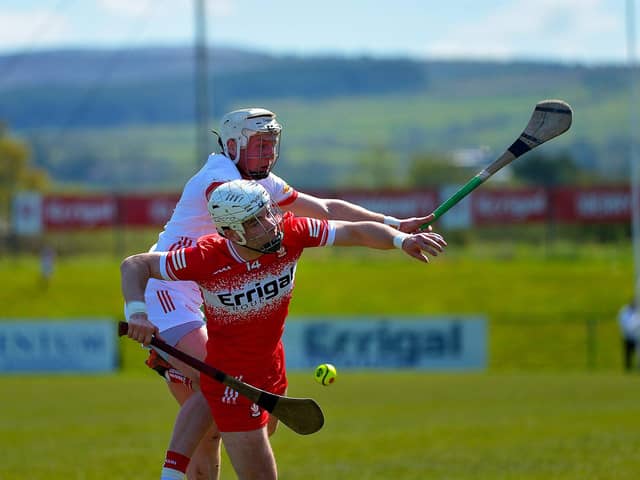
233	412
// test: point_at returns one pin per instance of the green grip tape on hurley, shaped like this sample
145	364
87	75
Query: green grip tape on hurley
466	189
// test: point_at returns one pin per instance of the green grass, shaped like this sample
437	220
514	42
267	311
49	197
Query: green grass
414	426
539	302
541	411
404	425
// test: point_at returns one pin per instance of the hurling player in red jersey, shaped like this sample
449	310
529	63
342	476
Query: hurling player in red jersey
246	276
249	140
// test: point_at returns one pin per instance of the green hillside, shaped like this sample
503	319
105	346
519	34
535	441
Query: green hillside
342	116
329	143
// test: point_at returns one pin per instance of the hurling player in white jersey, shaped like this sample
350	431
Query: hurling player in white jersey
246	275
250	142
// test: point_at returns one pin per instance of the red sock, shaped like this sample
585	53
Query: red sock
175	465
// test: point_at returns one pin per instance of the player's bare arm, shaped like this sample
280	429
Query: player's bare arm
383	237
336	209
135	271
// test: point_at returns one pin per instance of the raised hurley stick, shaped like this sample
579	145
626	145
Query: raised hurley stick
302	415
550	119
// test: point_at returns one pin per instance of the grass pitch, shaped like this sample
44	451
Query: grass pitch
405	425
540	412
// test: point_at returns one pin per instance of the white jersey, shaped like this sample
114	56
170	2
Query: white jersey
170	304
191	219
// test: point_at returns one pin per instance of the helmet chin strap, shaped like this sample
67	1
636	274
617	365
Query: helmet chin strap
219	140
256	176
272	246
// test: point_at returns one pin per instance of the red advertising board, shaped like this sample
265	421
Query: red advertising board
593	204
67	212
509	206
397	203
146	210
607	204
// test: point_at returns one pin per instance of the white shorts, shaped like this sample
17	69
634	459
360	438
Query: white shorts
171	304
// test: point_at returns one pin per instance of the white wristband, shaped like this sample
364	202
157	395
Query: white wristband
132	308
394	222
398	239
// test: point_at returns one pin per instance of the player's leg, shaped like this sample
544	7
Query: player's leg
627	351
251	454
272	425
192	341
195	436
205	460
180	386
174	307
243	425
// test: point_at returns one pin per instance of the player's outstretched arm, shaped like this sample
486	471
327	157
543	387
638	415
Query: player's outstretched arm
135	271
413	224
383	237
336	209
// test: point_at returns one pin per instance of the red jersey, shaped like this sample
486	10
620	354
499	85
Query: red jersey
246	302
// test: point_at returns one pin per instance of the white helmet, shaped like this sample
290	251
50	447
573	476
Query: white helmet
234	203
239	126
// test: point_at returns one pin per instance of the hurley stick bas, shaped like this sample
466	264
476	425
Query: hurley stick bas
302	415
550	119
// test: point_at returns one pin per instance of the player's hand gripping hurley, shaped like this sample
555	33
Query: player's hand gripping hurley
302	415
550	118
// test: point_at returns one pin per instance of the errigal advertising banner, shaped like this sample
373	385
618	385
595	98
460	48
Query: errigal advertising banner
430	342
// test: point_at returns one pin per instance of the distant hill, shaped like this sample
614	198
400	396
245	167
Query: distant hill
82	67
86	113
155	86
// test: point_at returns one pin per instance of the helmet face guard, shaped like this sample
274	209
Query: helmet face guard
246	208
262	231
257	159
256	135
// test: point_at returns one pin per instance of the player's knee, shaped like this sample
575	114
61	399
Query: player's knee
213	438
205	464
206	471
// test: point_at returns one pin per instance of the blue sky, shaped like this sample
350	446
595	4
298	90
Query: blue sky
585	31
